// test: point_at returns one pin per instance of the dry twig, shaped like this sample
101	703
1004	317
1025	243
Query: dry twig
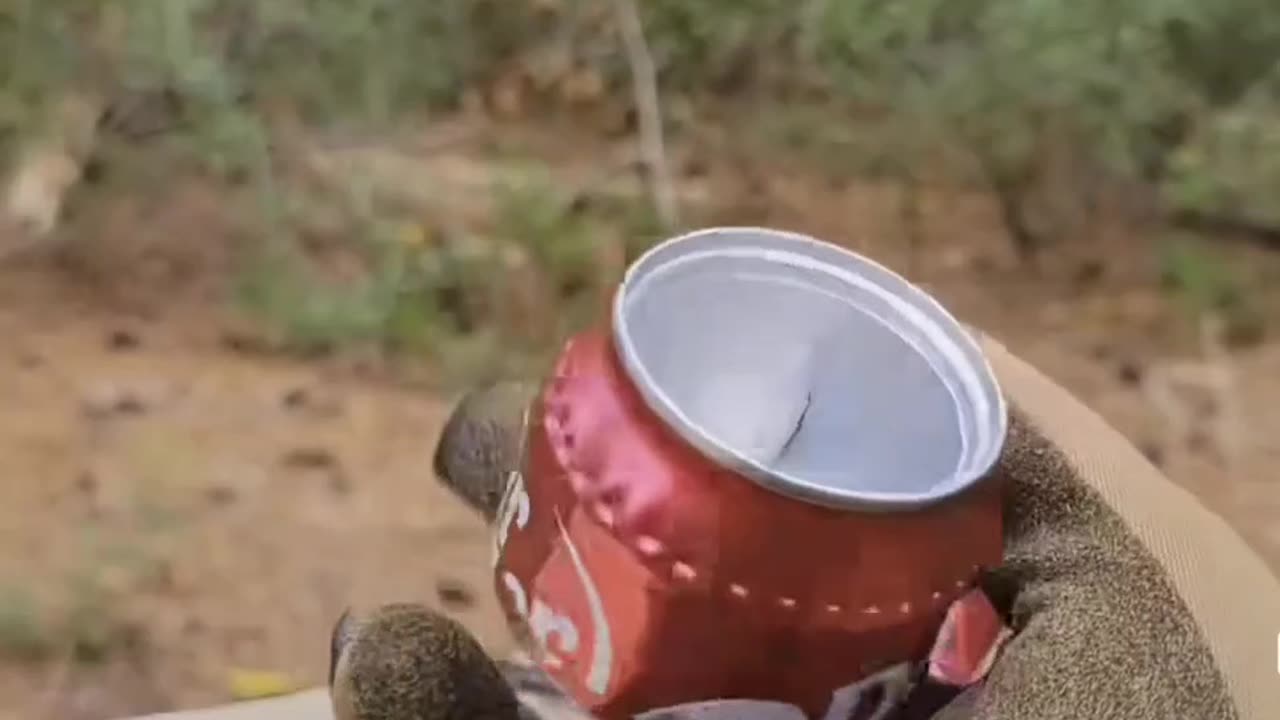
812	14
644	83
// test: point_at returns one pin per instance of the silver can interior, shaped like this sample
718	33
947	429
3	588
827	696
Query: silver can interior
810	369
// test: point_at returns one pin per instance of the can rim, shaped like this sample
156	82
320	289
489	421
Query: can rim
920	309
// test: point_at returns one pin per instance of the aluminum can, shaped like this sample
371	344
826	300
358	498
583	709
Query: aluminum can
765	476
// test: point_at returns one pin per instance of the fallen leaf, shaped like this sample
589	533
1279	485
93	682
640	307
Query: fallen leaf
411	235
255	684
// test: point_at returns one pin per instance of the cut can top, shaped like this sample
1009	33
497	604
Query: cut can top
809	369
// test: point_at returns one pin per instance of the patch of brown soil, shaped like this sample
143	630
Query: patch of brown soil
230	507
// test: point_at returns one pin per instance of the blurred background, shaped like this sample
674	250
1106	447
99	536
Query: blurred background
251	251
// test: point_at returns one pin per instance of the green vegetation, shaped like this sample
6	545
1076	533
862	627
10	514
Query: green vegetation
1173	102
22	634
86	619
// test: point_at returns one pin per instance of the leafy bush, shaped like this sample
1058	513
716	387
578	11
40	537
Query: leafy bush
1121	83
1175	98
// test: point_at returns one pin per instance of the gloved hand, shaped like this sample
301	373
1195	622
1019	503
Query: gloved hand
1128	598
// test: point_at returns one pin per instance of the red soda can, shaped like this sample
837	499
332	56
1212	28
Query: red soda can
764	478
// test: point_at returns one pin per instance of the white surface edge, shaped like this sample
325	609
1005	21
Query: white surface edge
306	705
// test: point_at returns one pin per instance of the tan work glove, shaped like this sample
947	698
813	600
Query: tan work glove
1129	598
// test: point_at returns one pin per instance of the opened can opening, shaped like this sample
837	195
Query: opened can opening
809	369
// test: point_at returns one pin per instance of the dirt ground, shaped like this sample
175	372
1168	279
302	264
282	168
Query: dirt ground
201	508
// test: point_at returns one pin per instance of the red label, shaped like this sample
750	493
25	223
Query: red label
591	588
585	602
